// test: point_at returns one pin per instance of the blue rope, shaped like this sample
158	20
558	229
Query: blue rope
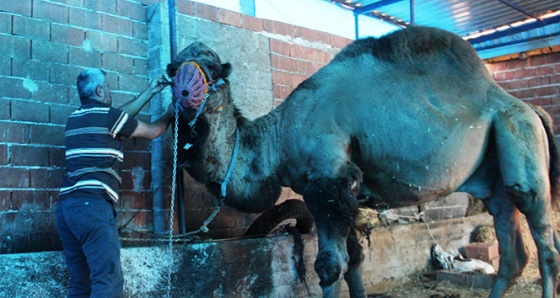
231	165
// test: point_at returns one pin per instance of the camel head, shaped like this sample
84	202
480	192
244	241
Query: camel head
197	71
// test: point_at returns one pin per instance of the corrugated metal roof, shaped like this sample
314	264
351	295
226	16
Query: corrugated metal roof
493	27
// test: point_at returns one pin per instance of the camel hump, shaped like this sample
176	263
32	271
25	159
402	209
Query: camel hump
418	46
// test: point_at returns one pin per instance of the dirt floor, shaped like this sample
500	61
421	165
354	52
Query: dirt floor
421	286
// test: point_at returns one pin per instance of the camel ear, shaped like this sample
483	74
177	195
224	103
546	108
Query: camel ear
171	70
226	70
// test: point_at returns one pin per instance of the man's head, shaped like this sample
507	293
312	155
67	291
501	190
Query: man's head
92	84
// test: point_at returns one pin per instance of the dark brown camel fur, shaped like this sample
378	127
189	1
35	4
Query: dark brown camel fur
398	120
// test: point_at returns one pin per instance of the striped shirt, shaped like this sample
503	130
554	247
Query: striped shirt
94	151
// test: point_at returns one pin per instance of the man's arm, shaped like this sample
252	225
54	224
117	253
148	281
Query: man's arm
134	106
153	130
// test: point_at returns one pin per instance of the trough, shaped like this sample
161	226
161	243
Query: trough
256	267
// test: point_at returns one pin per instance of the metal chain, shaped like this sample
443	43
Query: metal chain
172	199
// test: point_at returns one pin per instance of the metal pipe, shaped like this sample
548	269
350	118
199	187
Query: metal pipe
411	12
357	25
179	177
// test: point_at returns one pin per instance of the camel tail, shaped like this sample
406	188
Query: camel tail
554	166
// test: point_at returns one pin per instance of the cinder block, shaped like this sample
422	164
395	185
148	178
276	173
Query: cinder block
482	251
477	281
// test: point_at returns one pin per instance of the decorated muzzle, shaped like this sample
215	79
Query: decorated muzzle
190	85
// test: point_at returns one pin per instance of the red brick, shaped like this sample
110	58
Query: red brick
5	200
132	47
545	70
14	132
17	7
31	28
482	251
14	177
6	23
30	111
297	79
184	7
284	63
117	25
546	91
251	23
50	11
339	41
323	37
304	33
100	41
280	47
281	92
56	157
229	17
46	134
14	46
205	11
3	155
130	180
67	35
46	178
29	156
136	159
28	198
281	78
278	27
132	200
89	19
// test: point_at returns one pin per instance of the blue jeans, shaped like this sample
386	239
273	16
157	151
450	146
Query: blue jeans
88	230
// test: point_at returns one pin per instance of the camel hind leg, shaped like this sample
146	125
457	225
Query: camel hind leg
513	255
523	158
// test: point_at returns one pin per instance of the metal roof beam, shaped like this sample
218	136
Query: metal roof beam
514	30
519	8
374	6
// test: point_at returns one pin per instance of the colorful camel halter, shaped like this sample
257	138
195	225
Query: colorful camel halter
192	84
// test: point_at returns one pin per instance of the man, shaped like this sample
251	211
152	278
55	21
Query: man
85	214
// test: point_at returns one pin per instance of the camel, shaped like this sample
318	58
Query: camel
393	121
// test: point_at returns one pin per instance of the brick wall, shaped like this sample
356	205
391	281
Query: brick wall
45	44
533	78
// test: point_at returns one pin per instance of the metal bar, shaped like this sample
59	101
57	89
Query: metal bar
519	8
374	6
411	12
356	25
514	30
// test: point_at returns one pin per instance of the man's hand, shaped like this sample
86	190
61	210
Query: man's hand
158	84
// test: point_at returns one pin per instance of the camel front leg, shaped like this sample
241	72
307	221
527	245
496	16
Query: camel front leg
334	207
